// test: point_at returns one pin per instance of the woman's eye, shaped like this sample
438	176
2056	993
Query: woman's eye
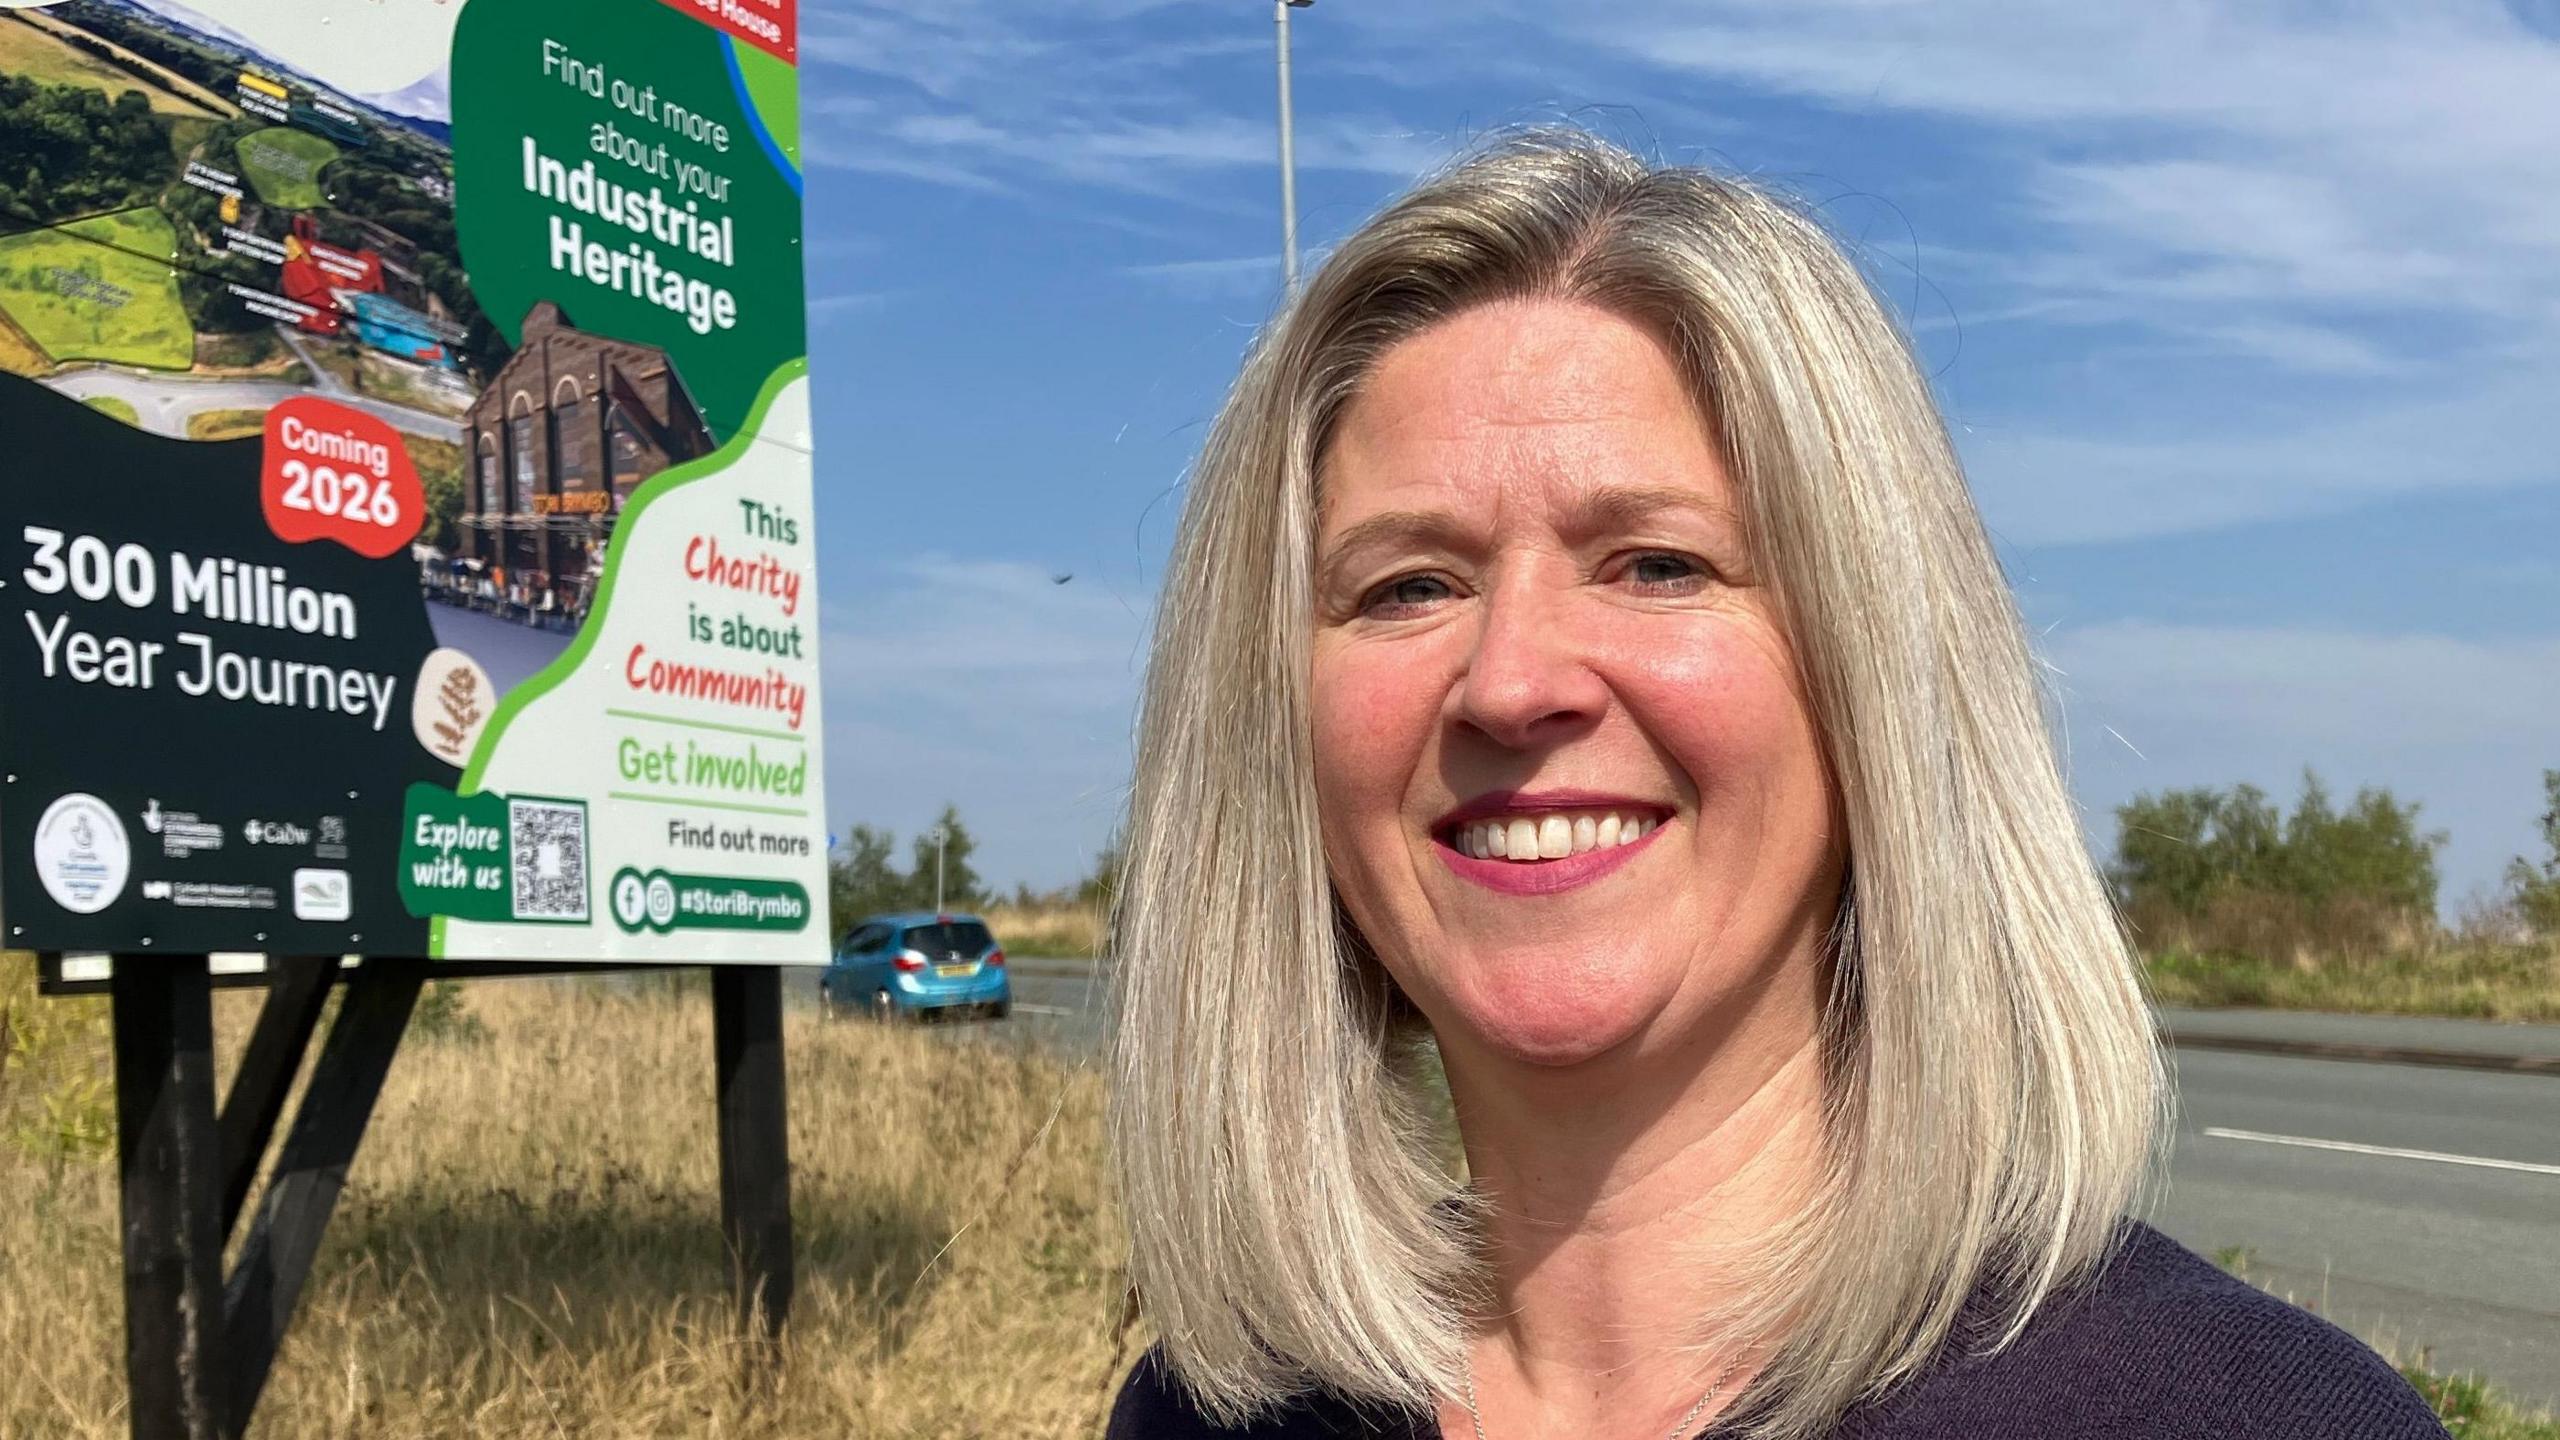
1662	572
1405	595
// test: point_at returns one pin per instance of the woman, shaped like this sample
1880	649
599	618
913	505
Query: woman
1581	651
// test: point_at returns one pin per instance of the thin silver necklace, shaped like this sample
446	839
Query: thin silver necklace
1679	1429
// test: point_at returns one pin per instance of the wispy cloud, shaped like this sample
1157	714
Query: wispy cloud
2357	200
2047	486
2197	155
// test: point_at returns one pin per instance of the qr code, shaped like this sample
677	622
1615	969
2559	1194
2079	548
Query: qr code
547	850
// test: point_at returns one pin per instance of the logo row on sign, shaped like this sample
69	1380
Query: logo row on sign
84	857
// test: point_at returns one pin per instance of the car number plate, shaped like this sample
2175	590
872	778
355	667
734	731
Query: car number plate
955	972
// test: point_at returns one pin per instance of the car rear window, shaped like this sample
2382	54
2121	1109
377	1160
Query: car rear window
966	938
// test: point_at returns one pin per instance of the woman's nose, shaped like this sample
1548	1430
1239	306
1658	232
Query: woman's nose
1528	682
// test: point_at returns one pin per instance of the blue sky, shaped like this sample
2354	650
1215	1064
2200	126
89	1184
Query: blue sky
2247	320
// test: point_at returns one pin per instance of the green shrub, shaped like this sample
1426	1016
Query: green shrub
443	1017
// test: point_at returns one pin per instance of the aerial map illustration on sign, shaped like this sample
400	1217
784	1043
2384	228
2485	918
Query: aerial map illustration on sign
409	482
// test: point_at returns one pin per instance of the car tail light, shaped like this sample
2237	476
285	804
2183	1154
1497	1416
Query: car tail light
996	959
909	961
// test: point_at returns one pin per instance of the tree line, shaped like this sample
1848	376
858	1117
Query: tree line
2217	869
864	877
177	56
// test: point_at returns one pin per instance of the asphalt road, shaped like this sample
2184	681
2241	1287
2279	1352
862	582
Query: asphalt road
2454	1249
2436	1227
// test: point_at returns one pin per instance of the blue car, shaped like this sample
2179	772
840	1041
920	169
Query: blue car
917	964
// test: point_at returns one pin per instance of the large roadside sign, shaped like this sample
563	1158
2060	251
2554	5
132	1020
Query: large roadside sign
404	455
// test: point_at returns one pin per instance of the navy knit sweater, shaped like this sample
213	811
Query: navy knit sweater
2160	1346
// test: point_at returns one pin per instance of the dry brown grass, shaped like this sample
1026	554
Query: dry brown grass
529	1243
2280	952
1070	932
2475	981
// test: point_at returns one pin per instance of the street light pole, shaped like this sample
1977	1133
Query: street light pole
1288	161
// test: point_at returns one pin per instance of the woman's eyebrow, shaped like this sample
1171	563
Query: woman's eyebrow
1390	529
1623	507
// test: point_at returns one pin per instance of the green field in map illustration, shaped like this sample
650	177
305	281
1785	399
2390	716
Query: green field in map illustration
284	164
100	288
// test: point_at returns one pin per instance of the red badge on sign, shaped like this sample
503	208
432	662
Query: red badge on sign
766	24
335	473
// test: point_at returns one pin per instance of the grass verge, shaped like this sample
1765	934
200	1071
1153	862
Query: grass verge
2472	981
529	1241
120	408
1063	932
2473	1411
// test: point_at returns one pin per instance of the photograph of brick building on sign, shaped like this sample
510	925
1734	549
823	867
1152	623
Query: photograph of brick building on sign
571	425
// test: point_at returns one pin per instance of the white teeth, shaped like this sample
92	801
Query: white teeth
1553	836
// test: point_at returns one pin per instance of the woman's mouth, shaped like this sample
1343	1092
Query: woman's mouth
1540	851
1550	835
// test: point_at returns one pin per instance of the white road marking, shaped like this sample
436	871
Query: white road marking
1030	1009
2389	1151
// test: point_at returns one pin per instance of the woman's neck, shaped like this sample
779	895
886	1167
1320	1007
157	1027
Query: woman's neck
1614	1187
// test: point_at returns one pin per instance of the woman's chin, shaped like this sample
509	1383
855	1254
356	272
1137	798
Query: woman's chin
1554	1026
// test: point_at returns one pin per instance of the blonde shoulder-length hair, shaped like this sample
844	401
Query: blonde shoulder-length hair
1995	1089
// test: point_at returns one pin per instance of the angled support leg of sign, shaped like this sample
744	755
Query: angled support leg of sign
755	1145
255	1100
310	1172
171	1171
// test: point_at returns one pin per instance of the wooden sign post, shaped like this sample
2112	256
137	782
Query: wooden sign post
200	1343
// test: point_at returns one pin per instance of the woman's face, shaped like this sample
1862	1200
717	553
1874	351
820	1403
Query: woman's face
1570	790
